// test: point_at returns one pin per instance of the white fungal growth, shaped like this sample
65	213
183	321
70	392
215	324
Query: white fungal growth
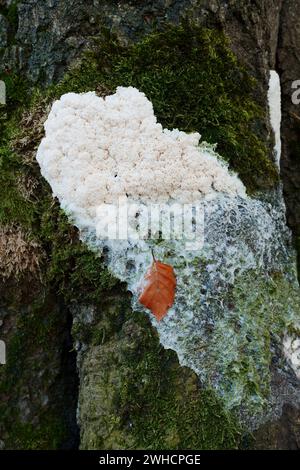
274	98
97	150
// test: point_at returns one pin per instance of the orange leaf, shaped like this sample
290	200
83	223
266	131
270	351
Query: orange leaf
159	292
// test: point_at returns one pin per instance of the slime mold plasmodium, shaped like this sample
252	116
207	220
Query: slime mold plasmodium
237	296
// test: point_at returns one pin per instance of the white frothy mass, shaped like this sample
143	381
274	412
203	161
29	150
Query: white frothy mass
96	150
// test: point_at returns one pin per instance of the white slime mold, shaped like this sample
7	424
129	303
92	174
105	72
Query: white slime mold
226	317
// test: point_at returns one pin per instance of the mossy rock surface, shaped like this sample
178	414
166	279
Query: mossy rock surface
134	394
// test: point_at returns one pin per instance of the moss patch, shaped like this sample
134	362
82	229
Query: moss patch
175	413
47	436
143	399
30	418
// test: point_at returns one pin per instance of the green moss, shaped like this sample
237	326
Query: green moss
145	400
13	207
48	435
74	272
33	345
166	408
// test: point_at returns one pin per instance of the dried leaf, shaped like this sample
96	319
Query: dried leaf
159	292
